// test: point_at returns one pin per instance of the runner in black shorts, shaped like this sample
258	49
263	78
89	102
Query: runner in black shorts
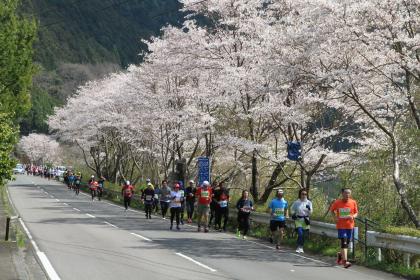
277	225
278	209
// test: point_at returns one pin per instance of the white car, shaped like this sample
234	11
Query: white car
19	169
60	171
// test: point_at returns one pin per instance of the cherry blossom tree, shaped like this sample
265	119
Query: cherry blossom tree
40	148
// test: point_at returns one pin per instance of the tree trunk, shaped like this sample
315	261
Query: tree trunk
402	192
272	183
254	187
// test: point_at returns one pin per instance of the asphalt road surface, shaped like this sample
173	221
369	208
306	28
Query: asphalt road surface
80	239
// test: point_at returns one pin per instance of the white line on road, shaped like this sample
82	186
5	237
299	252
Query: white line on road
48	266
65	203
114	226
52	274
57	200
89	215
196	262
142	237
76	209
114	205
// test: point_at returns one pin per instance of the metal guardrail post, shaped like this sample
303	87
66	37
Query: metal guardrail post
353	245
366	230
7	229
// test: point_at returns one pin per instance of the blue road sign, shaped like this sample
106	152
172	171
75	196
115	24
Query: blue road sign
203	170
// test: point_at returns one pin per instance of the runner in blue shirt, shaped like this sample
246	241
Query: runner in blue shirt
278	208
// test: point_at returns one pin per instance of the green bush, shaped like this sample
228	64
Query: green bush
410	231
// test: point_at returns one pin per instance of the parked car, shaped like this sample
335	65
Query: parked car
19	169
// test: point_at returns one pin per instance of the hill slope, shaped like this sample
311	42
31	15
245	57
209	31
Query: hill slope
97	31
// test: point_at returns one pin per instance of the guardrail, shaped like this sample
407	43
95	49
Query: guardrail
407	244
319	228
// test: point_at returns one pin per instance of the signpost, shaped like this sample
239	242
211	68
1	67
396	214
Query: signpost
203	170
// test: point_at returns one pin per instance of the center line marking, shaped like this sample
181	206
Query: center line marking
57	200
76	209
114	226
196	262
65	203
142	237
89	215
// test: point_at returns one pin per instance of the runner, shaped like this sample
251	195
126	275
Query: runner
190	200
301	210
204	195
165	198
71	178
176	199
66	179
77	183
147	197
222	207
213	204
278	209
127	191
156	199
344	211
101	184
244	206
182	210
93	186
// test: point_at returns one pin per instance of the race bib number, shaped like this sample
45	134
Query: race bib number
223	203
156	196
279	212
205	194
181	192
344	213
148	197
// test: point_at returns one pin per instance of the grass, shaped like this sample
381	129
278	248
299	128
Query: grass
15	230
395	268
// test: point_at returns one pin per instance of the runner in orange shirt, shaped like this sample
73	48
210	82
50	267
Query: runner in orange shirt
344	211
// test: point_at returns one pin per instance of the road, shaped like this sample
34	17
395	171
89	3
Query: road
99	240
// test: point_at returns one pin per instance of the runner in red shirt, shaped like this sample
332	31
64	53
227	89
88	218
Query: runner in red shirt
204	196
344	211
127	192
93	186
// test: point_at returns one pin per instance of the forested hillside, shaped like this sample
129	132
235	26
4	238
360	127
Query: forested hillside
81	40
96	31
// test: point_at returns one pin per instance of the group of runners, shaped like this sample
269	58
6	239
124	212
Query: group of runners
212	202
42	171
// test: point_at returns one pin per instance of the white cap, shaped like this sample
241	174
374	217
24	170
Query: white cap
206	183
128	182
147	180
93	176
192	181
280	191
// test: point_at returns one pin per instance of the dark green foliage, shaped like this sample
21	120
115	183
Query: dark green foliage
16	69
8	138
42	106
97	31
